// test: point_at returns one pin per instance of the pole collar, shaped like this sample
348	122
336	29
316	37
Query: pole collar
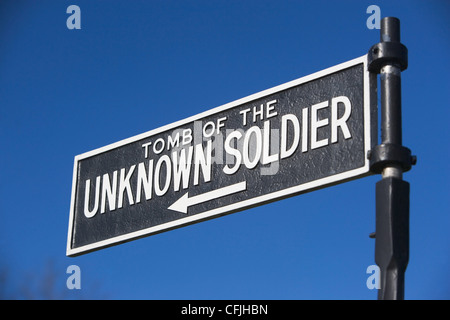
387	154
387	53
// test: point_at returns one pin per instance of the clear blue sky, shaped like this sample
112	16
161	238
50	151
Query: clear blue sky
138	65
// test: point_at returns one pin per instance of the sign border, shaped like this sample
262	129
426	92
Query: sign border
370	139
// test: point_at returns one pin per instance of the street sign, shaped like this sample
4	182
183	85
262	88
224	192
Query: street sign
303	135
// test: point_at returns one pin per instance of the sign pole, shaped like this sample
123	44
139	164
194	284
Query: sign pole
390	159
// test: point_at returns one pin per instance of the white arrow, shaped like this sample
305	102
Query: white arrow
184	202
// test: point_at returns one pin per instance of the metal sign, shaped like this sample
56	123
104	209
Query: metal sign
300	136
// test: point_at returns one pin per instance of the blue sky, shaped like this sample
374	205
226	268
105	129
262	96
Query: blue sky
138	65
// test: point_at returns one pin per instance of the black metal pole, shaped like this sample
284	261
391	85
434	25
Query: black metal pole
389	58
390	78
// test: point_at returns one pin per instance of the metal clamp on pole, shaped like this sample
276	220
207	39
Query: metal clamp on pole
389	58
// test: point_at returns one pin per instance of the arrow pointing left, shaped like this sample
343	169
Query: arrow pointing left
182	204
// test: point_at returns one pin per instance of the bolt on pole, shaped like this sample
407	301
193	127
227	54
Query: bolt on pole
390	159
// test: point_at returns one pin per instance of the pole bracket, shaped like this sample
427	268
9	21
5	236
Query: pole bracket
387	53
387	154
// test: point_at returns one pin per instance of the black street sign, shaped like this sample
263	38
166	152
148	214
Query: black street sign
303	135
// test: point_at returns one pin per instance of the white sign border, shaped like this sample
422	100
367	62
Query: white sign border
316	184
